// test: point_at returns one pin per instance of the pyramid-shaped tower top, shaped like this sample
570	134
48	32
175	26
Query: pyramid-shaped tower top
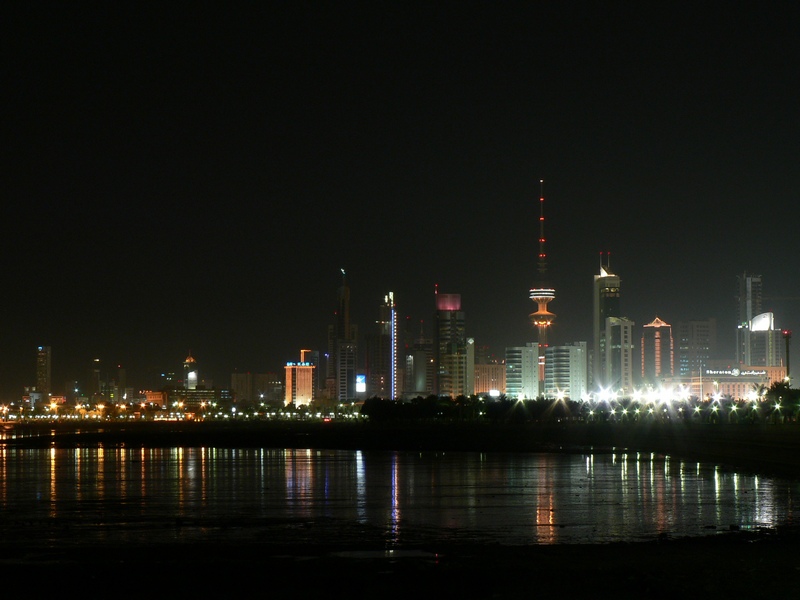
658	323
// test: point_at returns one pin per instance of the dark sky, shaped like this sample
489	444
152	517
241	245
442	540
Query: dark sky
192	178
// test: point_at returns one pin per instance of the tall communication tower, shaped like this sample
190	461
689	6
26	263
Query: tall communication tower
542	293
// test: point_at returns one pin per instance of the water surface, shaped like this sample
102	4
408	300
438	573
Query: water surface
373	499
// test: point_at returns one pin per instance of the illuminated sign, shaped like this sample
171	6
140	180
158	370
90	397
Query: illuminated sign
736	372
361	383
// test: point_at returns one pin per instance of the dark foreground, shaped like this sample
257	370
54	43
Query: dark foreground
740	564
730	565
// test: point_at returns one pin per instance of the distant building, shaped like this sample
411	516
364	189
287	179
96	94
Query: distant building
190	373
522	371
567	371
299	382
197	401
242	387
469	385
766	342
269	387
606	304
342	349
381	352
490	378
696	346
748	304
419	367
44	371
618	355
658	352
450	347
740	382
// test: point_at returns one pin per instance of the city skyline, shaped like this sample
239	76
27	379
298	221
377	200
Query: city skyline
194	184
104	369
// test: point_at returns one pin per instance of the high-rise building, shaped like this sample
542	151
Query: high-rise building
748	304
419	366
567	371
270	386
381	356
766	342
658	352
190	373
299	382
490	377
542	294
450	347
242	387
44	371
522	372
342	348
697	346
606	296
618	364
469	385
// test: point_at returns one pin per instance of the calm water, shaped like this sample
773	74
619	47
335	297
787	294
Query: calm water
386	499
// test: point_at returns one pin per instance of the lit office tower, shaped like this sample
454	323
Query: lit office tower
299	381
522	372
606	305
342	348
567	373
542	294
381	355
44	371
748	301
658	352
618	360
697	346
449	347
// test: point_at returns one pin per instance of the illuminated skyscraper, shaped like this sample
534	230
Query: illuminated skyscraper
300	381
522	372
606	296
542	294
618	367
44	372
450	347
567	371
658	352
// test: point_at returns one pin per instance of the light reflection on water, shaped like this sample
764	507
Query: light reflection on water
83	495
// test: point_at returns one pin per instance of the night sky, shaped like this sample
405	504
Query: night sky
192	179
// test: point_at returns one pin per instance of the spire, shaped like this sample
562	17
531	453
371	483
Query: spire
542	254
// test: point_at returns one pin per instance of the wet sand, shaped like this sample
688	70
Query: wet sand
724	564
